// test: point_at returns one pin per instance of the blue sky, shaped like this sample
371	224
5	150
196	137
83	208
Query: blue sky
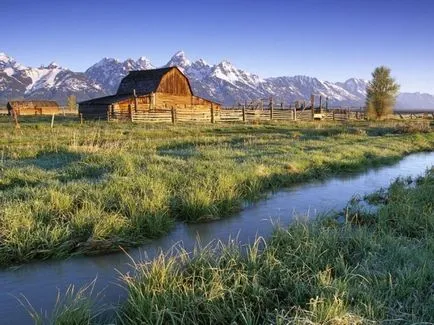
331	40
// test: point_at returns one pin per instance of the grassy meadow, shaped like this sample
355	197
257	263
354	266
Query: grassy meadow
91	188
373	268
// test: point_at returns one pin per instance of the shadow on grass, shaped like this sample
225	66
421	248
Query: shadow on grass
61	165
50	160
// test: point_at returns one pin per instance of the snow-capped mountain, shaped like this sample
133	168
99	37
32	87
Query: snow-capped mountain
222	82
301	87
355	86
179	60
415	101
45	82
108	72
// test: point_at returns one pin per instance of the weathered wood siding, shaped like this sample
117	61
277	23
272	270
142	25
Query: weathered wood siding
163	101
175	83
23	108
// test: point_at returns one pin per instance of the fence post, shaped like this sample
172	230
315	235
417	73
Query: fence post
52	120
271	109
172	111
320	104
81	118
295	113
312	104
333	114
212	113
14	116
130	112
244	113
135	101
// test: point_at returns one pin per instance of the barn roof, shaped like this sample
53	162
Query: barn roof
107	100
144	81
32	103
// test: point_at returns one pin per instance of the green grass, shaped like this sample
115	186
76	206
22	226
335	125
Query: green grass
95	187
74	307
374	268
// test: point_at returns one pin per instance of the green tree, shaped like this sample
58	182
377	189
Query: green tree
381	93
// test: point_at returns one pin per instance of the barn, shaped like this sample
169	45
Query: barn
145	90
33	107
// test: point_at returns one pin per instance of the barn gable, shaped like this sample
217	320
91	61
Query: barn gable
176	83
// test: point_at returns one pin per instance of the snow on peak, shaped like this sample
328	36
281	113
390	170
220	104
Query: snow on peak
105	61
180	53
226	65
355	85
53	65
143	59
5	58
144	63
228	72
179	60
201	62
198	70
8	64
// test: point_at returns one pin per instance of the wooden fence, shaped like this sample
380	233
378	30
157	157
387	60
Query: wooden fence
211	115
249	115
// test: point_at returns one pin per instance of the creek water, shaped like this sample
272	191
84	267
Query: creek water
40	282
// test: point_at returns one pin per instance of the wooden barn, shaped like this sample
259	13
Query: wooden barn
147	90
33	107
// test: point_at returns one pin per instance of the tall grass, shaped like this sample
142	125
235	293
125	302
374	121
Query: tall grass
374	268
74	307
95	187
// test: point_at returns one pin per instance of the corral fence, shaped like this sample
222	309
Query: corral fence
241	113
211	115
254	112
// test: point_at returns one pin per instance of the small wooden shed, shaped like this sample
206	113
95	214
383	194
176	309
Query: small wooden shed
145	90
33	107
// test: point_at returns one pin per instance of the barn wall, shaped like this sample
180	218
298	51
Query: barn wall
26	111
163	100
174	82
142	103
204	102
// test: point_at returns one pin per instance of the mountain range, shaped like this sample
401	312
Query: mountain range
222	82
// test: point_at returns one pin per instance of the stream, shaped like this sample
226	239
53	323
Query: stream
40	281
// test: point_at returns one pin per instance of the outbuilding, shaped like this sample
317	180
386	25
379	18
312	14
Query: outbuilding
145	90
33	107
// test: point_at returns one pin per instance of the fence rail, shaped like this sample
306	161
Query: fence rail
191	114
210	115
234	115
